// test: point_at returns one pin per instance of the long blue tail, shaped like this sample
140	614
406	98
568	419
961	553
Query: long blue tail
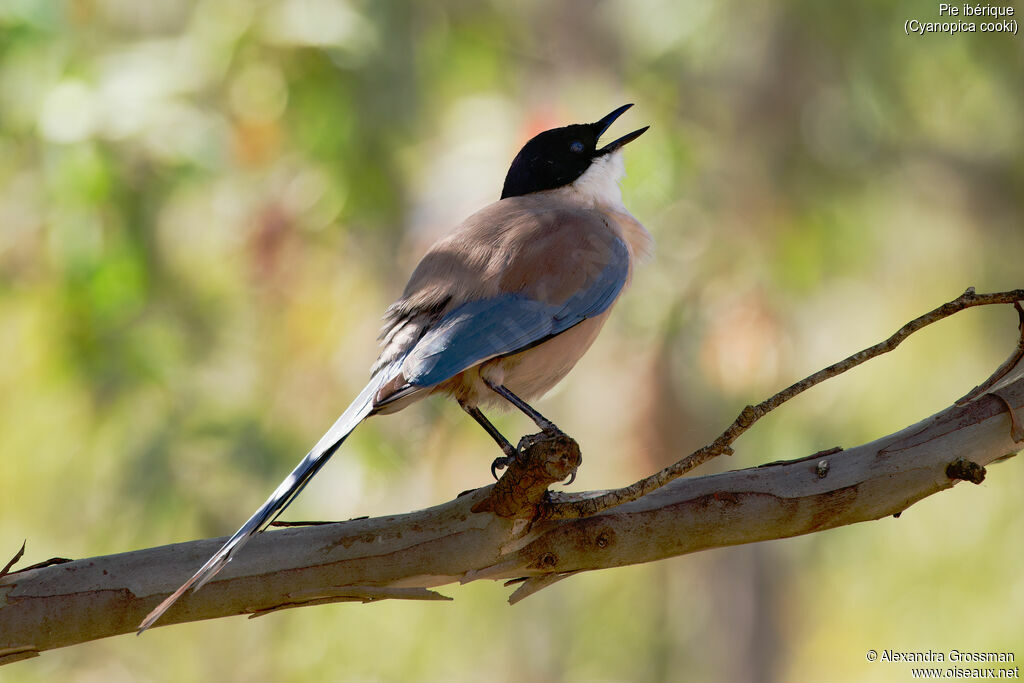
285	493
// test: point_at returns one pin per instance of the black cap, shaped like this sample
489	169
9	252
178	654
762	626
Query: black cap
559	156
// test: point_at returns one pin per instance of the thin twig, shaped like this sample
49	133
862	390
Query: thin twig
566	507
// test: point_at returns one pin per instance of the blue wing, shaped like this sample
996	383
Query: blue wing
499	326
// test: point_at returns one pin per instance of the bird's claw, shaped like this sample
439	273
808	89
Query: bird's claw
500	464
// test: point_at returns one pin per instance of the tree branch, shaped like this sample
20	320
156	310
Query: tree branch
512	530
585	506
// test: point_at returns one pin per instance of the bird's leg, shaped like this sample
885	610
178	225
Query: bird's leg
506	447
546	425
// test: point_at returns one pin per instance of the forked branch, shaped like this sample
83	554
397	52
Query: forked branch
584	506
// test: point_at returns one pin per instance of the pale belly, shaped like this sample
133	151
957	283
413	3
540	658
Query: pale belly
527	374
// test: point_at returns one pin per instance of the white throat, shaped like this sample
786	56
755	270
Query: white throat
600	183
599	187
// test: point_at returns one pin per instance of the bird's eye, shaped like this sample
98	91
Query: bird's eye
576	146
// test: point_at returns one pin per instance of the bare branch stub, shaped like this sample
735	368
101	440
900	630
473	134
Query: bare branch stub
574	508
543	460
14	560
966	470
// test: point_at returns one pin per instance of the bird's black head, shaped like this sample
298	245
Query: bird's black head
559	156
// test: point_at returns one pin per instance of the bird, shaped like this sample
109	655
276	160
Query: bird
497	312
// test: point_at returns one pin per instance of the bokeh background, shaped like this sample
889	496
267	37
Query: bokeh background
205	208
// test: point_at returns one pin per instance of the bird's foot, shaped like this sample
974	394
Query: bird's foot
511	454
501	463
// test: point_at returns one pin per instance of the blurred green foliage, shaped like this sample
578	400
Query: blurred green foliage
205	207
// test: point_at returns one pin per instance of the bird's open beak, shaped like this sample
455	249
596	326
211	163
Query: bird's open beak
607	121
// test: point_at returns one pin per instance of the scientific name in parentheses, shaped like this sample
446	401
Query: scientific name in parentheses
995	19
